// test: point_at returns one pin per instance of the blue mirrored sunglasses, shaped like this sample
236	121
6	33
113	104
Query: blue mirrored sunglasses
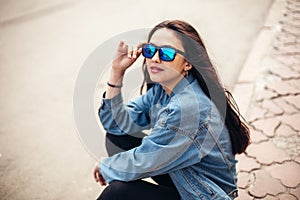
166	53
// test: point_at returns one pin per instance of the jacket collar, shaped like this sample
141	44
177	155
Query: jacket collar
186	81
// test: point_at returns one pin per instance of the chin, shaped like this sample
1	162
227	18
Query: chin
156	79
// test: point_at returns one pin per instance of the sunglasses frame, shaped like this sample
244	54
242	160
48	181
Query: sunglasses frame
158	48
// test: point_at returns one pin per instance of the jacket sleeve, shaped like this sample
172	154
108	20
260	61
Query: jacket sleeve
169	147
119	119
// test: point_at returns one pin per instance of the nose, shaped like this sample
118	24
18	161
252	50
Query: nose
156	58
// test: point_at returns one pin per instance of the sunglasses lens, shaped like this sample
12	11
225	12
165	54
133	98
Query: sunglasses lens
167	54
148	51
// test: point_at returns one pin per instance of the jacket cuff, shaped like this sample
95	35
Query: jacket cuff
110	103
102	171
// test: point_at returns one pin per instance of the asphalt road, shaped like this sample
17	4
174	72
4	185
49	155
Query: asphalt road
43	45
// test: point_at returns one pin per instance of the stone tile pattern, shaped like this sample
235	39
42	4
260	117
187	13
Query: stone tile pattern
270	167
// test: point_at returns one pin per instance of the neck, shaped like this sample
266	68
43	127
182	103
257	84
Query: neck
169	85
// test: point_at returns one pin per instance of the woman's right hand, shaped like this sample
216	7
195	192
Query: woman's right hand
125	56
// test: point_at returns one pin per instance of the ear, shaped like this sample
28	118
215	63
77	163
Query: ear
188	66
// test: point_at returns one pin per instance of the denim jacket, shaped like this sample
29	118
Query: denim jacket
188	140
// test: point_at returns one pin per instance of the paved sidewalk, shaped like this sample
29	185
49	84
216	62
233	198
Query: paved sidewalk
270	169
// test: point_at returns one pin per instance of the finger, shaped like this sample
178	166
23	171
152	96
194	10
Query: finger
122	47
125	48
141	44
102	180
134	52
139	48
129	51
121	44
96	173
96	176
139	51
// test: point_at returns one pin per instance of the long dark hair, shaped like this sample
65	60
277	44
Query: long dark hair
205	73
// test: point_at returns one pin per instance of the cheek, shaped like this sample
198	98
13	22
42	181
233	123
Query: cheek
176	66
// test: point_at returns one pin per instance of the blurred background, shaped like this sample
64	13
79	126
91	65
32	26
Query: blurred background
43	45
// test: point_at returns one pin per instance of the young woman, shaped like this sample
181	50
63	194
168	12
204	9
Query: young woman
196	128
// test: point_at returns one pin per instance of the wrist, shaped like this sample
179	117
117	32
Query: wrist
114	86
116	71
116	77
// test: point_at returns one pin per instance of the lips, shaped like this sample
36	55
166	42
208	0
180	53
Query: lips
155	69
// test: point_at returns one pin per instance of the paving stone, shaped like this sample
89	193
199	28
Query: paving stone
294	82
282	38
295	16
244	195
270	63
282	88
295	67
286	197
291	144
288	60
279	43
268	197
264	184
270	115
284	130
288	173
267	126
266	94
293	3
255	113
293	30
295	192
292	6
284	72
286	107
246	164
267	152
295	100
243	180
292	10
257	136
288	49
292	120
297	160
272	107
292	24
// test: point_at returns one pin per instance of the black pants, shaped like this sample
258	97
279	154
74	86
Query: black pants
139	189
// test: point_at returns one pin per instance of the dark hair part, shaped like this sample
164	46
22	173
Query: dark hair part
205	73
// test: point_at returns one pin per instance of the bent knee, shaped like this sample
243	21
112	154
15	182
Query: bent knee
114	191
118	187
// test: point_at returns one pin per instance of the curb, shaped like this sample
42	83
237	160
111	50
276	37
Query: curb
245	87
